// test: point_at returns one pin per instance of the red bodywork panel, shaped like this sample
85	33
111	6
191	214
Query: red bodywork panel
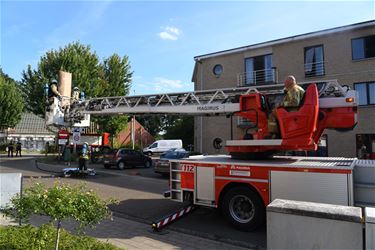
258	177
299	130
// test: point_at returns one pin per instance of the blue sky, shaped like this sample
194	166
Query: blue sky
160	37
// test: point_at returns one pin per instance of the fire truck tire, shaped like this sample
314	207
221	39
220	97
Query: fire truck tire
243	208
121	165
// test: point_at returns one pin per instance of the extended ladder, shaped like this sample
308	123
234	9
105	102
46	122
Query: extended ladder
201	103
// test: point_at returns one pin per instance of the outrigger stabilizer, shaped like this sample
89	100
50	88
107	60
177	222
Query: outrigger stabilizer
158	225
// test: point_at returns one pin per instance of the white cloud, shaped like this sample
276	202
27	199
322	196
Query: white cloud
170	33
167	36
166	85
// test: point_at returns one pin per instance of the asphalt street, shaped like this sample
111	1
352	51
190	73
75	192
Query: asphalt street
139	192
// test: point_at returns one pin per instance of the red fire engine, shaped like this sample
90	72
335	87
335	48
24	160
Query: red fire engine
243	188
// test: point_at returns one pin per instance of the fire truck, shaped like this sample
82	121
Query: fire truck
244	182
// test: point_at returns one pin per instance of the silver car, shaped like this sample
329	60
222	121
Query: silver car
162	165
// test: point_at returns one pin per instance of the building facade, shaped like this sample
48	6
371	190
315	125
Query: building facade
31	132
345	54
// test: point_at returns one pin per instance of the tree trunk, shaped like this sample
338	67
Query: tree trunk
58	235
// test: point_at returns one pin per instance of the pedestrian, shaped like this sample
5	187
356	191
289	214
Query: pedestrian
67	154
292	100
10	149
18	148
46	149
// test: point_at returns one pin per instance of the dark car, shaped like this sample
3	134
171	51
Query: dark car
125	157
162	164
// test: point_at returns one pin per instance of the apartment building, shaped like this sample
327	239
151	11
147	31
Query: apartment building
345	54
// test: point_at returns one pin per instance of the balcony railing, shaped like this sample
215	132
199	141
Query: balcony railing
314	69
257	77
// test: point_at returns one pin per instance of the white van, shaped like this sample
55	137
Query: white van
161	146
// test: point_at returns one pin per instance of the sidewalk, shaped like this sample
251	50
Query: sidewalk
129	234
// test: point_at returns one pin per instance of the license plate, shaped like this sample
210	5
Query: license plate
106	161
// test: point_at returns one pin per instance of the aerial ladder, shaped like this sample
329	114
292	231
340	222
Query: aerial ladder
326	105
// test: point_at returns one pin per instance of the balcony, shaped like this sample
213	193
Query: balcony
257	77
314	69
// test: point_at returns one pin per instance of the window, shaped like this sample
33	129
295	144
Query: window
366	92
258	70
218	70
314	61
363	47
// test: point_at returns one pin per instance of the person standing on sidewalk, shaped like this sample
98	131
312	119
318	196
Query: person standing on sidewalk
46	149
18	148
10	149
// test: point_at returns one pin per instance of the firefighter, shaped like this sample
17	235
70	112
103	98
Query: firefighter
84	157
292	100
75	95
53	92
294	94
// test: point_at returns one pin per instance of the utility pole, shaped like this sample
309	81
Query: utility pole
133	128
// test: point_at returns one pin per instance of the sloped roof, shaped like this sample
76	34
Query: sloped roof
32	124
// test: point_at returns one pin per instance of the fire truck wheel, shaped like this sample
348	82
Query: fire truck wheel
121	165
243	208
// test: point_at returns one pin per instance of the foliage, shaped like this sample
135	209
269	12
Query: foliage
29	237
181	128
3	147
130	145
112	77
32	88
11	101
60	202
113	124
53	149
152	123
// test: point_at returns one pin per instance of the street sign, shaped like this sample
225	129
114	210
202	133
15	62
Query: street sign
62	141
63	134
76	137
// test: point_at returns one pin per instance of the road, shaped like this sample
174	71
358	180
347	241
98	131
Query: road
139	192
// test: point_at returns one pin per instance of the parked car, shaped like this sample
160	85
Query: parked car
125	157
162	146
162	164
97	153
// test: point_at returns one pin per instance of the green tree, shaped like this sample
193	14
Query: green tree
152	123
11	101
60	202
117	77
182	128
112	77
32	89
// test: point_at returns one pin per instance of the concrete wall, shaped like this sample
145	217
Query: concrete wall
306	225
288	58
